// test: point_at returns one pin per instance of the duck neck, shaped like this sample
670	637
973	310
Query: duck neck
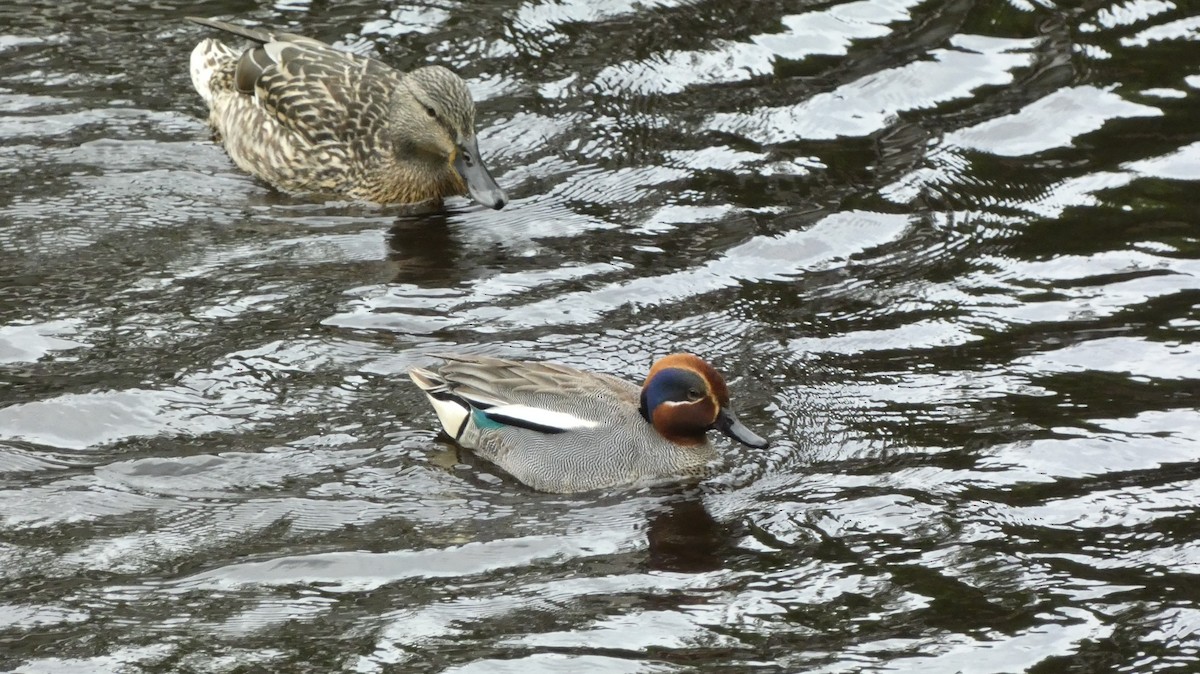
414	181
673	428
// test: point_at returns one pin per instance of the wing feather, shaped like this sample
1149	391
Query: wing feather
325	95
543	397
537	419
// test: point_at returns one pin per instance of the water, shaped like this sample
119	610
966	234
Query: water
946	253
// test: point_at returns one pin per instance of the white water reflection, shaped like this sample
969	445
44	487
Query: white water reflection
402	20
674	71
1123	355
1050	122
761	259
548	663
1130	12
29	343
1183	29
548	16
871	103
359	572
1183	164
1061	634
832	31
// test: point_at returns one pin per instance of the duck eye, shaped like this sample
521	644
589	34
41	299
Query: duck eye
694	394
430	111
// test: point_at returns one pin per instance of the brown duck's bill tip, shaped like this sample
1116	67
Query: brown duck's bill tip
480	184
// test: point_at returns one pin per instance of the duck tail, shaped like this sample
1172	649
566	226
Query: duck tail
255	34
208	58
453	411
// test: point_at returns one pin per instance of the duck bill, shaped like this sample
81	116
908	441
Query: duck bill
728	424
480	184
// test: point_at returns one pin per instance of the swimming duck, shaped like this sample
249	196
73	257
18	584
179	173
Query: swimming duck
306	117
559	429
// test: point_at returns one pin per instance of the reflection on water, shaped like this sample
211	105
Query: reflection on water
945	251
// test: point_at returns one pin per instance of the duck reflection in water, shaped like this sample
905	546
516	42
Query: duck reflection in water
423	249
684	538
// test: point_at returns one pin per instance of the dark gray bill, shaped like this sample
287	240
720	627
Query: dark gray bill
480	184
728	424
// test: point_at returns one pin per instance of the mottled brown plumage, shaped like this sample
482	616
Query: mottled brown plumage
306	117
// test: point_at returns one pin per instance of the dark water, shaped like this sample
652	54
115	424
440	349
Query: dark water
947	253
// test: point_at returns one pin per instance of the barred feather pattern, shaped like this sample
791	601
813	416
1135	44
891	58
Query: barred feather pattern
318	119
620	449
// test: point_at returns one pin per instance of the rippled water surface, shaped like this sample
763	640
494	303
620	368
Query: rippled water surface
946	252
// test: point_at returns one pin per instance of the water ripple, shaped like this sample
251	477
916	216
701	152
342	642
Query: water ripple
943	253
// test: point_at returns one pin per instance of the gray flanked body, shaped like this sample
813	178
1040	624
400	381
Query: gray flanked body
568	430
306	117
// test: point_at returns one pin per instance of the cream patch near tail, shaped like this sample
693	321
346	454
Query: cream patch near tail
451	412
208	57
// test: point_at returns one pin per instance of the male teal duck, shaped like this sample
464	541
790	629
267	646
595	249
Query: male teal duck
559	429
306	117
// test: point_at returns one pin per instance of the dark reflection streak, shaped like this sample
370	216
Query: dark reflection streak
905	146
686	539
1001	603
426	248
422	248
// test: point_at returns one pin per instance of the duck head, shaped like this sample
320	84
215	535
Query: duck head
436	120
684	397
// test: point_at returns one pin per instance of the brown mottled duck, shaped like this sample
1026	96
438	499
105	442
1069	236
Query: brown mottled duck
306	117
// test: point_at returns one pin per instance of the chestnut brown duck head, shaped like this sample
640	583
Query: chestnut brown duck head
684	397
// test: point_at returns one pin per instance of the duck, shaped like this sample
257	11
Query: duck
562	430
306	117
